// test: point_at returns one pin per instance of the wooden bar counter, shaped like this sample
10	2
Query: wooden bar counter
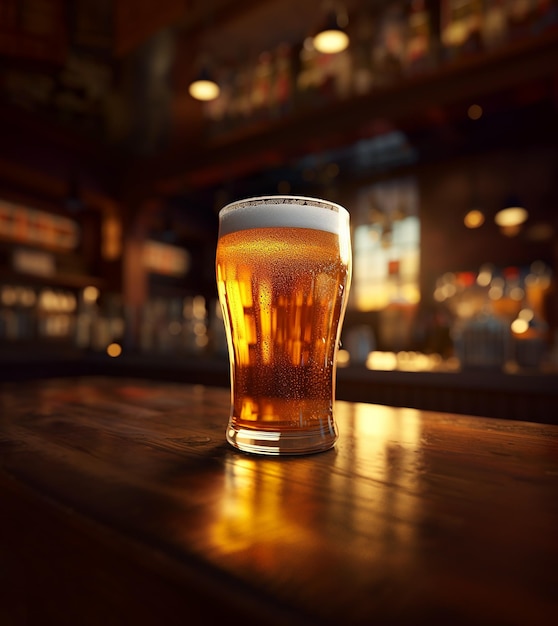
121	503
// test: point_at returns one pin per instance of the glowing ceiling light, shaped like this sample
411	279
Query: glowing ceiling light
331	39
511	216
204	88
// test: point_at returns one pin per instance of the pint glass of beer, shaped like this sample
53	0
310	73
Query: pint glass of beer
283	274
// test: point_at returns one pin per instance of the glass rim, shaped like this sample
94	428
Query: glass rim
278	199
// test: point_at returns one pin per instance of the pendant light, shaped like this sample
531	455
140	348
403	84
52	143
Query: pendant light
332	38
204	87
511	218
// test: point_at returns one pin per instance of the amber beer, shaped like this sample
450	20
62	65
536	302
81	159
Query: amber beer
283	274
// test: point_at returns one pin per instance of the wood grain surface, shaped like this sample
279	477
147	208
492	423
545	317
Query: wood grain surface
121	503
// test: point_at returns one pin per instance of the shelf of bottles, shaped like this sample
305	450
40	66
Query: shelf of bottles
47	300
90	320
38	251
498	317
494	319
391	42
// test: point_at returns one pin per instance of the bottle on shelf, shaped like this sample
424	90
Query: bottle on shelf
461	25
495	24
499	315
389	46
420	53
530	329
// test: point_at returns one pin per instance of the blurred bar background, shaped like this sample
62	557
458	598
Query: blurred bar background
434	119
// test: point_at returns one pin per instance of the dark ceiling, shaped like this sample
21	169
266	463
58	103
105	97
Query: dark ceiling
97	90
117	71
91	88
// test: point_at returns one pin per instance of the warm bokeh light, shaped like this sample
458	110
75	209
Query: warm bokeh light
114	349
474	112
331	41
526	314
8	296
27	297
204	90
474	219
201	341
484	276
511	216
343	358
377	360
411	361
496	290
90	294
519	326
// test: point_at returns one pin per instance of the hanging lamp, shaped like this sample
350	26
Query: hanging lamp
204	87
332	37
511	218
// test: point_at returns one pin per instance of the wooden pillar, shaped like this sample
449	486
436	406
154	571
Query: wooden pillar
135	286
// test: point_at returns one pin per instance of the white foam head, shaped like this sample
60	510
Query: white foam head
281	211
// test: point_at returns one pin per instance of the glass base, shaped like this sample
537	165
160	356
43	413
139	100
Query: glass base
282	443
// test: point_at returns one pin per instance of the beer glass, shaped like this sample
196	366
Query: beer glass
283	273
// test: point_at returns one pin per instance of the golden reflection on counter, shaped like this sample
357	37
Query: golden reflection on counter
386	454
265	502
267	508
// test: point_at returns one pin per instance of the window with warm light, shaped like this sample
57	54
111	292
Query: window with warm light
386	246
